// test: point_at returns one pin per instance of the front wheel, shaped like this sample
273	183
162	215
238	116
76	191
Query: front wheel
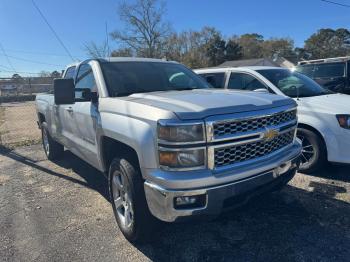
313	154
129	203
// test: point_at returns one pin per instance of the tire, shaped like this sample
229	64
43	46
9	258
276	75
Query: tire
314	153
129	203
52	149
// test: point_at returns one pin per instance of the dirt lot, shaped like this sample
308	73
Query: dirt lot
60	212
18	124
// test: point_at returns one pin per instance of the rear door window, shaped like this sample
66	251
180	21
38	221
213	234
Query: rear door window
242	81
217	80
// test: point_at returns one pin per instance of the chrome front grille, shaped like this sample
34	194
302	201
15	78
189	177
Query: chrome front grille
224	156
234	127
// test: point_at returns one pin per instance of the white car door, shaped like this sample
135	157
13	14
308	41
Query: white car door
85	116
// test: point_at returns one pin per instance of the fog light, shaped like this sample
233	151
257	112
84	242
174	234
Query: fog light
182	202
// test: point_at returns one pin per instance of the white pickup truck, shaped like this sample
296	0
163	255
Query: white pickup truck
170	146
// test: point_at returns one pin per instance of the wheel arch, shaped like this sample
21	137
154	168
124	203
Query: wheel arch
111	148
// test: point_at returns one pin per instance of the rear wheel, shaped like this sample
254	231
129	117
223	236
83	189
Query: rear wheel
53	149
313	154
129	203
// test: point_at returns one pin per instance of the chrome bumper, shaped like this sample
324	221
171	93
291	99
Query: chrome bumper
217	198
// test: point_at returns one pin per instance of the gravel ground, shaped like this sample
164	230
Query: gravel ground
18	124
60	212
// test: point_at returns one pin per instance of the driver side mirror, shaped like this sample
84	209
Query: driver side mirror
63	90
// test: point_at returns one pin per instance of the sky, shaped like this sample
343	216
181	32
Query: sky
31	47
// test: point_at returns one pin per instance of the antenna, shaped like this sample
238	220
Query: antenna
107	43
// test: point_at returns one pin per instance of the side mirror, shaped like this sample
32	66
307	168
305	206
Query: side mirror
262	90
63	90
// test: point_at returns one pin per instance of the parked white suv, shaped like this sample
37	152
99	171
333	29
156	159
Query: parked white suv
324	116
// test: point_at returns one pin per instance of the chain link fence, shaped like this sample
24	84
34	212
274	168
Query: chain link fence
18	116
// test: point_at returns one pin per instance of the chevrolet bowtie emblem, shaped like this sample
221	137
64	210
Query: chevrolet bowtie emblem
270	134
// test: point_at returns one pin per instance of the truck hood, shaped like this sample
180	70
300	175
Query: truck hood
201	103
334	103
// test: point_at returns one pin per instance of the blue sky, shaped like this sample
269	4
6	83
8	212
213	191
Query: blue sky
24	35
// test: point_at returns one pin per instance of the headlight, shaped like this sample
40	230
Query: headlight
173	133
344	121
181	158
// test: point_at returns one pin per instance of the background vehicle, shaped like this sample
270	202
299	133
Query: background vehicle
331	73
170	146
324	117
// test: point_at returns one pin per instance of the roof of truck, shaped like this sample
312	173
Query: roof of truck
220	69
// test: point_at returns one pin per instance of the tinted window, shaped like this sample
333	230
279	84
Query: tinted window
125	78
329	70
244	81
85	80
293	84
70	72
215	79
306	70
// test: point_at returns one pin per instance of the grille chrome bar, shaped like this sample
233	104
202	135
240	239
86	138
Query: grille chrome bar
245	126
259	137
231	155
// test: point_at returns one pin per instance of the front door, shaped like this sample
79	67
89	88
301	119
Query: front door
85	117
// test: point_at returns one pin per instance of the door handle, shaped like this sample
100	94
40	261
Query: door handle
69	109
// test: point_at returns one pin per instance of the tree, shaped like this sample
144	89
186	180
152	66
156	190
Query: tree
145	30
97	51
16	76
233	50
44	74
280	47
251	45
328	43
216	49
122	52
55	74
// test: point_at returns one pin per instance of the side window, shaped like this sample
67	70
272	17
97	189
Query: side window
85	80
70	72
243	81
215	79
348	69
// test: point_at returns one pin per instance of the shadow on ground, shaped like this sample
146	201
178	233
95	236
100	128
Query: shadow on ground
291	225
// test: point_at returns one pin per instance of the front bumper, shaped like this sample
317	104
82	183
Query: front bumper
161	201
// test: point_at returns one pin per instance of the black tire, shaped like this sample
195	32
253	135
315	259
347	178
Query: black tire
311	162
141	228
53	149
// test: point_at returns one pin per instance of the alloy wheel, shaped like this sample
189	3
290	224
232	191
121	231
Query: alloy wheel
122	199
307	152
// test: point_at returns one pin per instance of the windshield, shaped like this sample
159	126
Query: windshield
126	78
323	70
293	84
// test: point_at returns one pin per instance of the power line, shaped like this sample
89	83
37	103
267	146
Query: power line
34	52
336	3
19	72
32	61
7	58
53	31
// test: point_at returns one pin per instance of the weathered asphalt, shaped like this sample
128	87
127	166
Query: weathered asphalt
60	212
